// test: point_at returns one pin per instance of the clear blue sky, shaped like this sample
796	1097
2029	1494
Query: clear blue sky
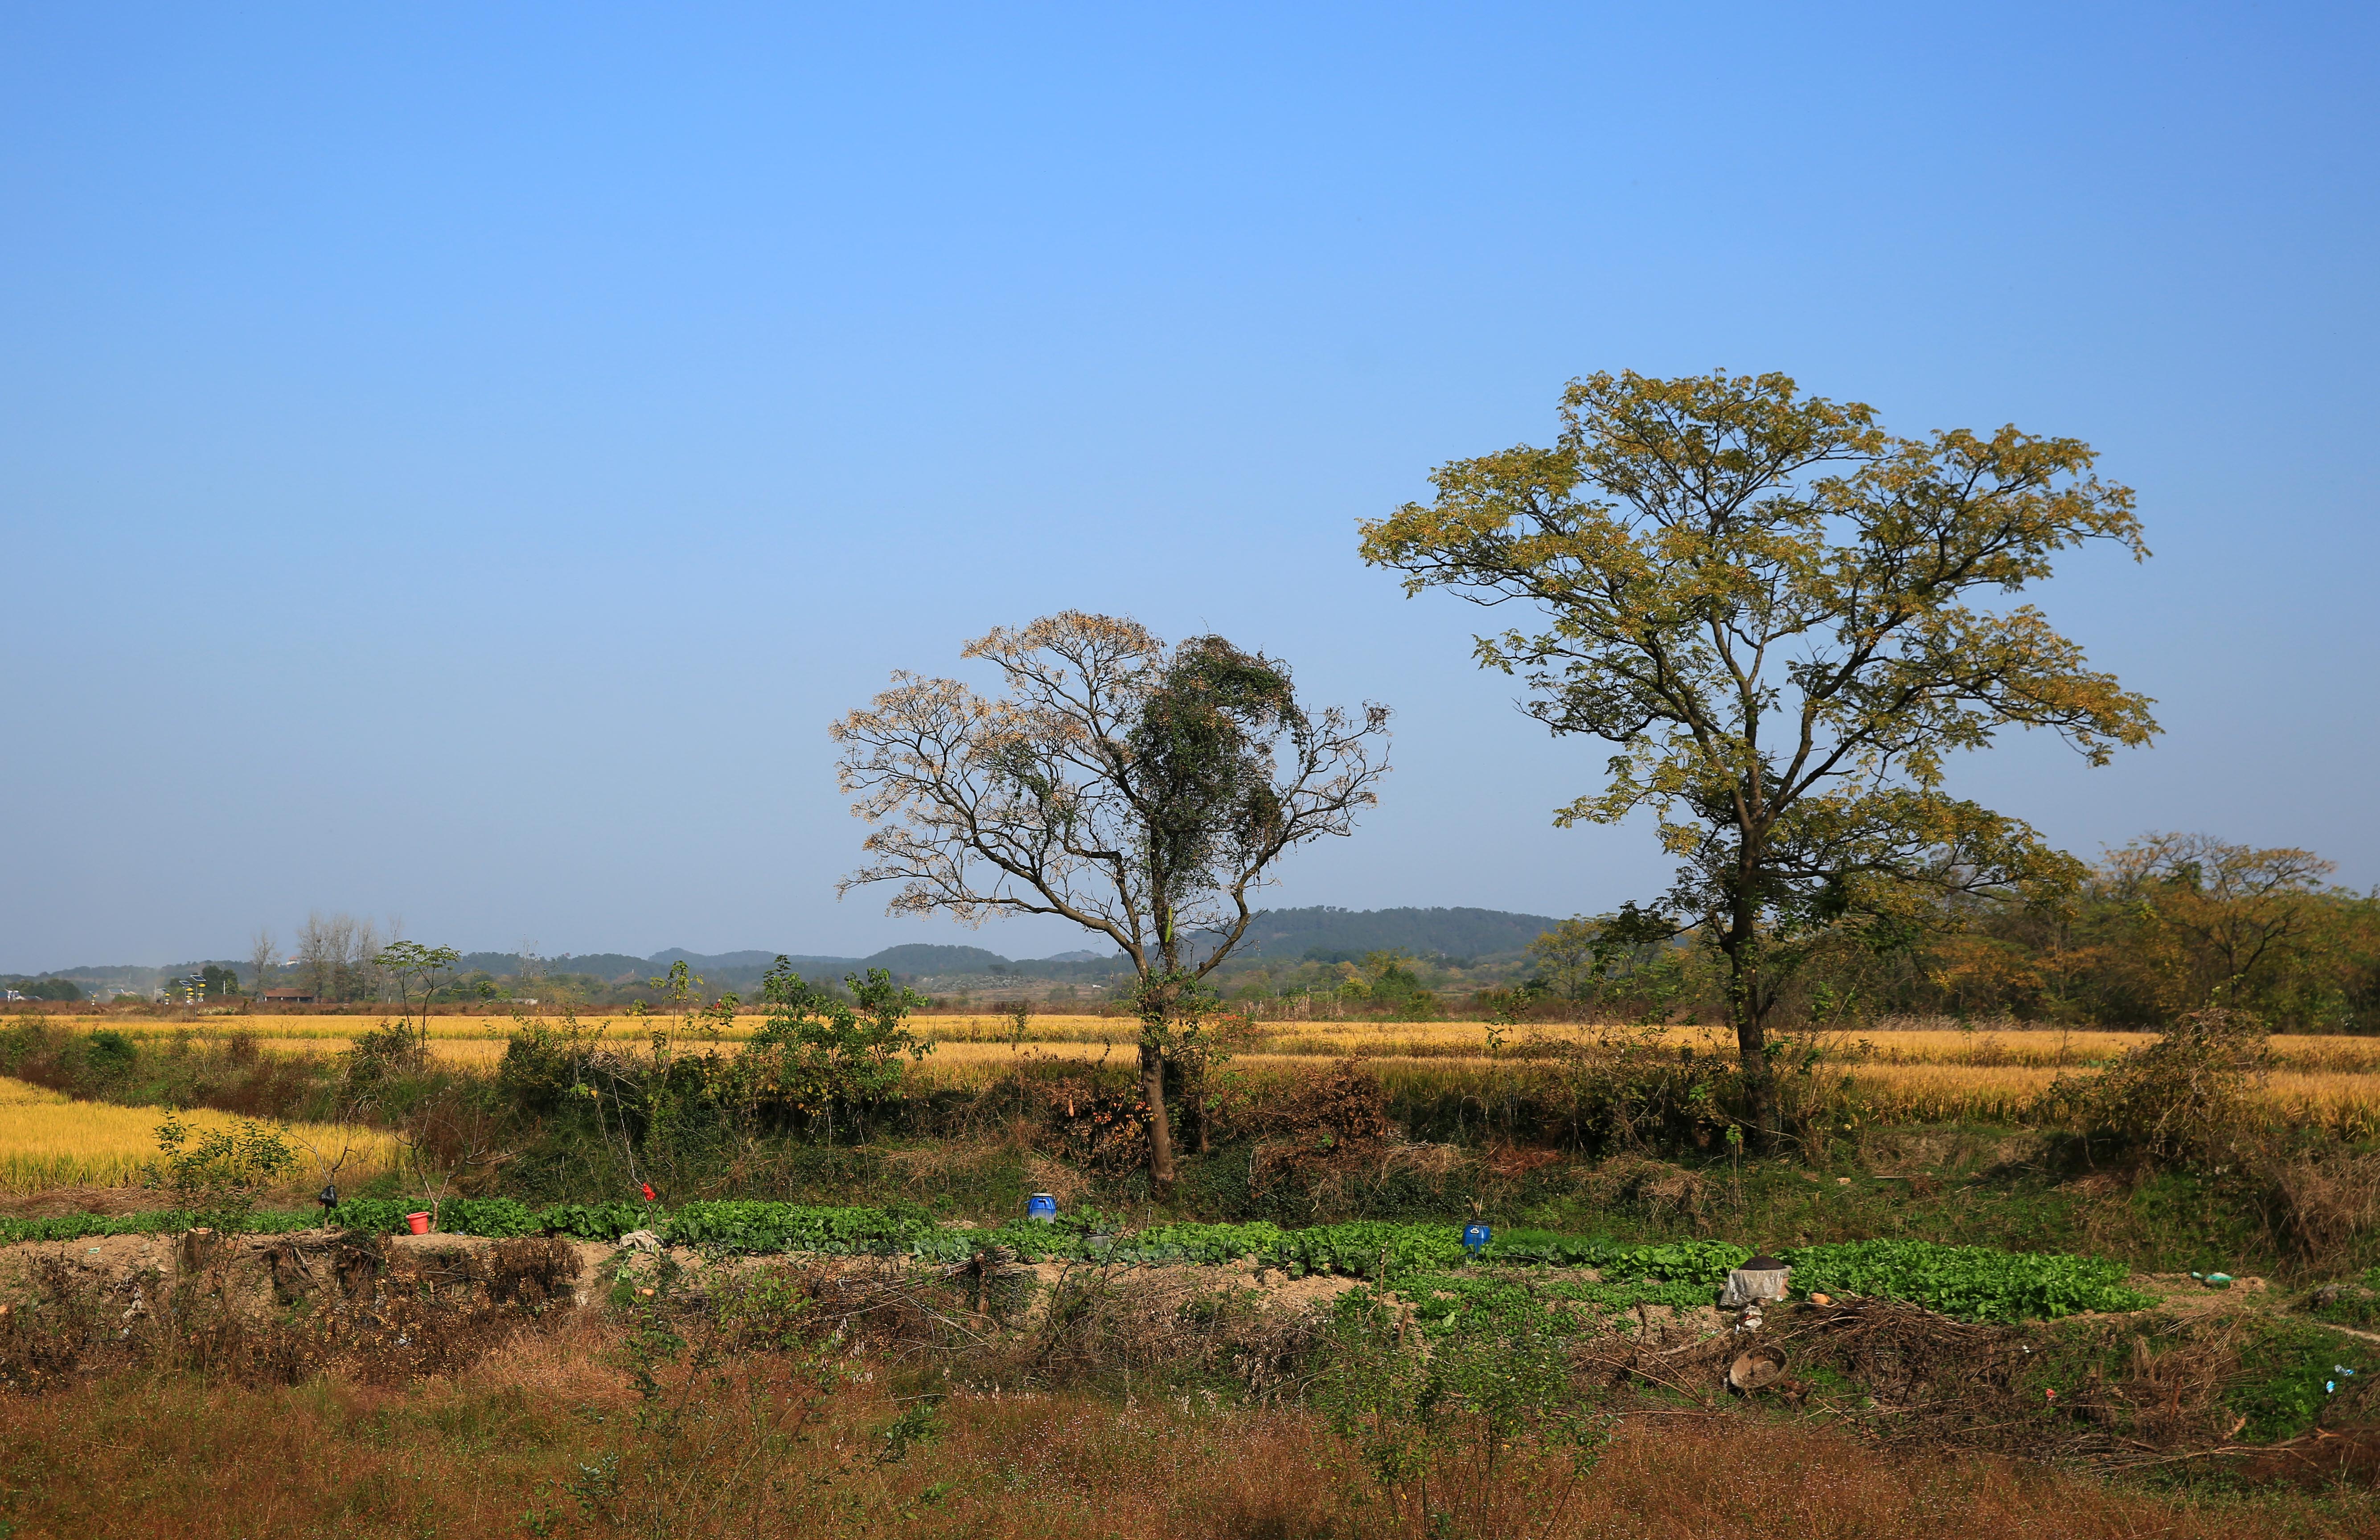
455	460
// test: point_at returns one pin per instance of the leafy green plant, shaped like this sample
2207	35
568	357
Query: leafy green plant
593	1221
156	1221
217	1170
916	1425
1480	1435
819	1054
1970	1282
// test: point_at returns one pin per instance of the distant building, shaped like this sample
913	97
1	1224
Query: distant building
287	996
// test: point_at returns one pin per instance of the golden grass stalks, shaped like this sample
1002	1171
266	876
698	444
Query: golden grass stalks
1950	1093
1901	1073
48	1140
2020	1047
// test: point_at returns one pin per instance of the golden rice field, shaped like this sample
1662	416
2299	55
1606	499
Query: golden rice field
1905	1072
48	1140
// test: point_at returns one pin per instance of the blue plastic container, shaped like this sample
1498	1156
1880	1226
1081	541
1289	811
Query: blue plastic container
1041	1209
1475	1238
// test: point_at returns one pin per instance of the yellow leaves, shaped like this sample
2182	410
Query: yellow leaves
1762	599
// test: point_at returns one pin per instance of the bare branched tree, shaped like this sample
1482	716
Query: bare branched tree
336	957
260	958
1142	793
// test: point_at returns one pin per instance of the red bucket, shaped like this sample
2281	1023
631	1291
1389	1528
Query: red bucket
417	1223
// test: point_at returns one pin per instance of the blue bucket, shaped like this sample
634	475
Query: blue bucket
1041	1208
1475	1238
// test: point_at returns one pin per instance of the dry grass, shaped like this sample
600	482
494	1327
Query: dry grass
1950	1093
497	1451
48	1140
524	1419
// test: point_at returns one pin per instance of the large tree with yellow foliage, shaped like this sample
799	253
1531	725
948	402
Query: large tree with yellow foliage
1773	610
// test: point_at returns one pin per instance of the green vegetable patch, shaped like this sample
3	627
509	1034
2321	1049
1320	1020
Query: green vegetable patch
1970	1282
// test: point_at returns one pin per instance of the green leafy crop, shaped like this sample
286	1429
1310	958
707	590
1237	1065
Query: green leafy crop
1979	1283
1970	1282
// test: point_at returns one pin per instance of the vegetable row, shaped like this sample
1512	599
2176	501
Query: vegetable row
1970	1282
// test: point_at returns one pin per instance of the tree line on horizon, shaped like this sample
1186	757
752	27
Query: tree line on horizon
2166	924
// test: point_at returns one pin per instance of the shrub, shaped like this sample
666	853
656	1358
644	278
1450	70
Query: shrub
1311	1125
1628	1089
2186	1099
1481	1435
217	1167
110	1053
1653	1188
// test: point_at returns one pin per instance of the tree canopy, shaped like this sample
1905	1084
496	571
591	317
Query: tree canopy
1142	793
1772	608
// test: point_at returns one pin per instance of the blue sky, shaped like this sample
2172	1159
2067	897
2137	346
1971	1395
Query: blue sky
455	460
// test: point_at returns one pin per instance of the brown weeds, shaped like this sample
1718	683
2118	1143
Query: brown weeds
1655	1188
1315	1125
482	1457
2319	1207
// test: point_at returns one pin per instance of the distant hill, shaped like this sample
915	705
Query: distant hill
1347	934
1275	935
609	967
920	957
138	977
761	960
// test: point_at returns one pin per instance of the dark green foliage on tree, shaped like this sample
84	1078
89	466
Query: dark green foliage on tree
46	988
1141	793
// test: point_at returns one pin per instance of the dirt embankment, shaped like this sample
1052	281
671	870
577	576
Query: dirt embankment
2198	1378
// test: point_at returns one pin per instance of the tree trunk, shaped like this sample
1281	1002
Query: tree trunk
1160	1137
1745	1014
1759	1083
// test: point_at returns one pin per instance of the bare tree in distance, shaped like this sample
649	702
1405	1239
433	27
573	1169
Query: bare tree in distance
262	955
531	973
1141	792
337	956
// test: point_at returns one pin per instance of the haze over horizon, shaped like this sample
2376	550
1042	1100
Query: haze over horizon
457	463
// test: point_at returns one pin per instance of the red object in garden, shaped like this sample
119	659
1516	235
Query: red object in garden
649	1192
417	1223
